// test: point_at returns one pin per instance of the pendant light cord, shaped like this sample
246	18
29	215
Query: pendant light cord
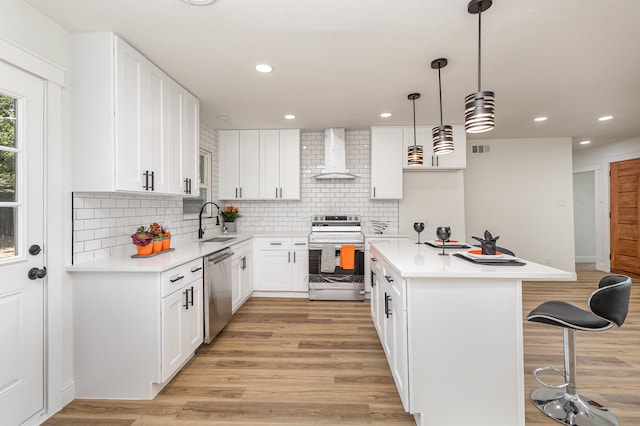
414	122
440	88
479	45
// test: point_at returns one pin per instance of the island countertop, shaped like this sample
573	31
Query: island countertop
422	261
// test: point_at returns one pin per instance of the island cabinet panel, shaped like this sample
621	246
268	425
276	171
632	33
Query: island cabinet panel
451	329
135	330
133	128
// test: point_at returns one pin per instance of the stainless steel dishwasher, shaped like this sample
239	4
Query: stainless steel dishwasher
217	293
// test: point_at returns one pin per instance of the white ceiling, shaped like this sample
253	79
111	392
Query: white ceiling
340	63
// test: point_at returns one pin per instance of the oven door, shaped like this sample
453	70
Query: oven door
342	284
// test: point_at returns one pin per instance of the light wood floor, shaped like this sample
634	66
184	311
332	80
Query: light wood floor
295	362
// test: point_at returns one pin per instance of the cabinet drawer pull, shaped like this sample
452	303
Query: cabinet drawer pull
196	268
176	278
389	279
275	244
373	259
299	244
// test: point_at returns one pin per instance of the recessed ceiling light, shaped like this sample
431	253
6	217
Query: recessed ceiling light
585	142
605	118
540	119
264	68
289	116
385	115
222	117
199	2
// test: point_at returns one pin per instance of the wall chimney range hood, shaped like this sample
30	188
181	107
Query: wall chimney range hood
334	156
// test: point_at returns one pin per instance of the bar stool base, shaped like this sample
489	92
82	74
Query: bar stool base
572	410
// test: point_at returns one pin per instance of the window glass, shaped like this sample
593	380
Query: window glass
191	205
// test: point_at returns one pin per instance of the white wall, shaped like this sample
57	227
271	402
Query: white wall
598	159
435	198
522	191
584	217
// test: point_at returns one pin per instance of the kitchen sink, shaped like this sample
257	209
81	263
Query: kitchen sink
218	239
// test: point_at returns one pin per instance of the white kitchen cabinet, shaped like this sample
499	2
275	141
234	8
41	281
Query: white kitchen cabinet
368	266
242	274
453	161
191	147
238	164
280	164
389	315
386	163
125	132
135	330
282	265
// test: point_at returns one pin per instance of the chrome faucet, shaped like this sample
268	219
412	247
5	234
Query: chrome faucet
200	229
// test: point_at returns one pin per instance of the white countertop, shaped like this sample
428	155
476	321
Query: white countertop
421	261
183	253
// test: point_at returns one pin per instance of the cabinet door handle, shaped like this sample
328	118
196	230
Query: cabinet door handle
289	257
374	192
294	257
191	289
373	279
236	192
186	299
196	268
176	278
186	186
244	263
276	192
280	192
240	192
146	180
387	311
153	181
389	279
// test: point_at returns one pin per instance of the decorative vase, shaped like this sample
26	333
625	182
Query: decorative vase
166	243
157	246
231	227
145	250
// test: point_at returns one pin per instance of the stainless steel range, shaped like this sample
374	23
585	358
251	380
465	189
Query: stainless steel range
336	258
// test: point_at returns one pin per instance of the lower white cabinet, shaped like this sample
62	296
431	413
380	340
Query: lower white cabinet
282	264
182	326
389	314
134	330
241	274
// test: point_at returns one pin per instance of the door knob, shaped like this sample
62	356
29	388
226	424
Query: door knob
35	273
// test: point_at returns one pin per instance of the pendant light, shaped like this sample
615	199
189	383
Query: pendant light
479	108
415	152
442	135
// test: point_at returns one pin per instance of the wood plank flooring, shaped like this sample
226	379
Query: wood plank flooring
296	362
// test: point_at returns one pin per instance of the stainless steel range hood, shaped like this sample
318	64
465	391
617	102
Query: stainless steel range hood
334	156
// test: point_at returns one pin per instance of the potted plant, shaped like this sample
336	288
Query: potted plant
229	215
158	236
166	243
143	240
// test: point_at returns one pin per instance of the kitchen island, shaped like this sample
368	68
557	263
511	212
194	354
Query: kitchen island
452	332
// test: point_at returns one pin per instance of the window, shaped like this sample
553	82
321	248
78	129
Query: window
191	206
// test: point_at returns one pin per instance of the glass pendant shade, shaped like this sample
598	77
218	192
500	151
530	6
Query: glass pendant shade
479	112
415	155
415	152
442	139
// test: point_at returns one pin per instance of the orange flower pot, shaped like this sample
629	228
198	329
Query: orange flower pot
166	243
145	250
157	246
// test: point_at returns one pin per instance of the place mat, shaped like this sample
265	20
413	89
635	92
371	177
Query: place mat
447	245
492	262
135	256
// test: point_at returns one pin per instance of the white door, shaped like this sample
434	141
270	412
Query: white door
21	244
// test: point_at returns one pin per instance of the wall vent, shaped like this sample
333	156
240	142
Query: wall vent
480	149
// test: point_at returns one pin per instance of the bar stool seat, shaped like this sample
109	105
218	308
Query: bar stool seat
608	307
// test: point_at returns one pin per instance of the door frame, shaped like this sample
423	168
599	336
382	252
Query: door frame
57	207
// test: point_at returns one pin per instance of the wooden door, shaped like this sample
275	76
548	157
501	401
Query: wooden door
625	207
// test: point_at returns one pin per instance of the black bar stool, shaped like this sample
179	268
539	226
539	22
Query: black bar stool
608	306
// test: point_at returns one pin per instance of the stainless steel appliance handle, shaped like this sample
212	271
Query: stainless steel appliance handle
217	258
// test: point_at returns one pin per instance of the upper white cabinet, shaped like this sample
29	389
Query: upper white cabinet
259	164
386	163
452	161
280	164
238	164
133	128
